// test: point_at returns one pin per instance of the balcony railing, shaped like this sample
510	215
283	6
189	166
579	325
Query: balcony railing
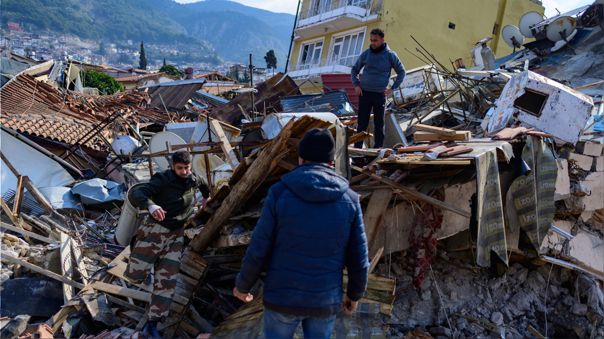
325	7
306	70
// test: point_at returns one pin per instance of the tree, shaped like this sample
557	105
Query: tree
271	60
142	61
102	49
164	64
171	70
105	83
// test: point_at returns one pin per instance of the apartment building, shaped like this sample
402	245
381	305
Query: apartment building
331	34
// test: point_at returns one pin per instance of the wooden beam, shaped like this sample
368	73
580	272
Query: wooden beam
26	233
434	129
66	265
121	291
14	260
243	189
373	217
415	194
18	196
225	144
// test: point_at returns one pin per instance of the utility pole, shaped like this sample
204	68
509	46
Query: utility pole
251	66
291	40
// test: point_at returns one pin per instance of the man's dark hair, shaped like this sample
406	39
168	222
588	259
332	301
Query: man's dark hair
377	31
181	157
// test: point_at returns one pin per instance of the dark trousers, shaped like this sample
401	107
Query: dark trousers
372	101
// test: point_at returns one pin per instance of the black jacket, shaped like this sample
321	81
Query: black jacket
172	193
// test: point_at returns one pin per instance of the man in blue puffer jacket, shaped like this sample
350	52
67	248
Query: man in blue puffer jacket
311	228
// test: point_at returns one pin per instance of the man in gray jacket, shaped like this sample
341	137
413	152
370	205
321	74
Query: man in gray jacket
372	87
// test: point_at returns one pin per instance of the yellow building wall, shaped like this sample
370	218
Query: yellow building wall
428	21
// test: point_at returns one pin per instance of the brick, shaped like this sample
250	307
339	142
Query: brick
590	148
584	162
598	165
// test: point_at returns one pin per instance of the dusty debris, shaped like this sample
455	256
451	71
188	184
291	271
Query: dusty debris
484	214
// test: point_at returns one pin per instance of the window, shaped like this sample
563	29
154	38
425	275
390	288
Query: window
531	102
359	3
310	54
320	6
346	49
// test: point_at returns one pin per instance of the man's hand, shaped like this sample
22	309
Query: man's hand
157	212
349	306
388	92
245	297
358	91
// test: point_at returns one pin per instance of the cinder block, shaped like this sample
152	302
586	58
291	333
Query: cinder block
590	148
584	162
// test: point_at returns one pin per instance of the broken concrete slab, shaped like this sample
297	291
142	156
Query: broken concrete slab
562	180
588	249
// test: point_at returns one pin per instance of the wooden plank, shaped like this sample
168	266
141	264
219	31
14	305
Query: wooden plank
375	259
448	162
434	129
77	256
121	291
373	217
429	136
225	144
14	219
18	196
26	233
14	260
66	265
415	194
242	190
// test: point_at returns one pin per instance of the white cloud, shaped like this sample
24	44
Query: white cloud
280	6
563	6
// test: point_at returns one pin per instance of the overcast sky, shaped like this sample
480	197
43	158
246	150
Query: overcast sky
289	6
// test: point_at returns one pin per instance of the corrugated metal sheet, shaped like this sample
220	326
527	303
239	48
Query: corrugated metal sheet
336	102
210	98
339	81
174	94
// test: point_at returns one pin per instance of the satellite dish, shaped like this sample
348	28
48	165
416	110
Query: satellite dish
158	144
199	165
527	21
561	28
512	36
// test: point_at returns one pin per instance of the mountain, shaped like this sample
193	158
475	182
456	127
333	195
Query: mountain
231	29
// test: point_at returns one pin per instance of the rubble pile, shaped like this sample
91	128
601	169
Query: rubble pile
484	212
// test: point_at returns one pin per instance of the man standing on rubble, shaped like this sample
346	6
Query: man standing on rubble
310	229
372	87
169	197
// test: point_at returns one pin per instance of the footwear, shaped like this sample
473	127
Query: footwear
150	330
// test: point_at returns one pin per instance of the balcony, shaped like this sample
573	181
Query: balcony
309	71
335	15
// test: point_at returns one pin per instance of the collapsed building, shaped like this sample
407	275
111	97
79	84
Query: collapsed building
484	212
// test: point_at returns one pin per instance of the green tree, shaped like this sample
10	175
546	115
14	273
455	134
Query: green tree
171	70
102	81
271	60
142	61
102	50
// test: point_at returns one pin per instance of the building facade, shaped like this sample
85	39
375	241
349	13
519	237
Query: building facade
331	34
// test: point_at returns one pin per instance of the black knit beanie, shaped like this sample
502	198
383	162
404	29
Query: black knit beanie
317	145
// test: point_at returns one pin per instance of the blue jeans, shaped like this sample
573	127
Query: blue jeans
282	326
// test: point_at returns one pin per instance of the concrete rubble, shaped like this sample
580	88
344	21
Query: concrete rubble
484	212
